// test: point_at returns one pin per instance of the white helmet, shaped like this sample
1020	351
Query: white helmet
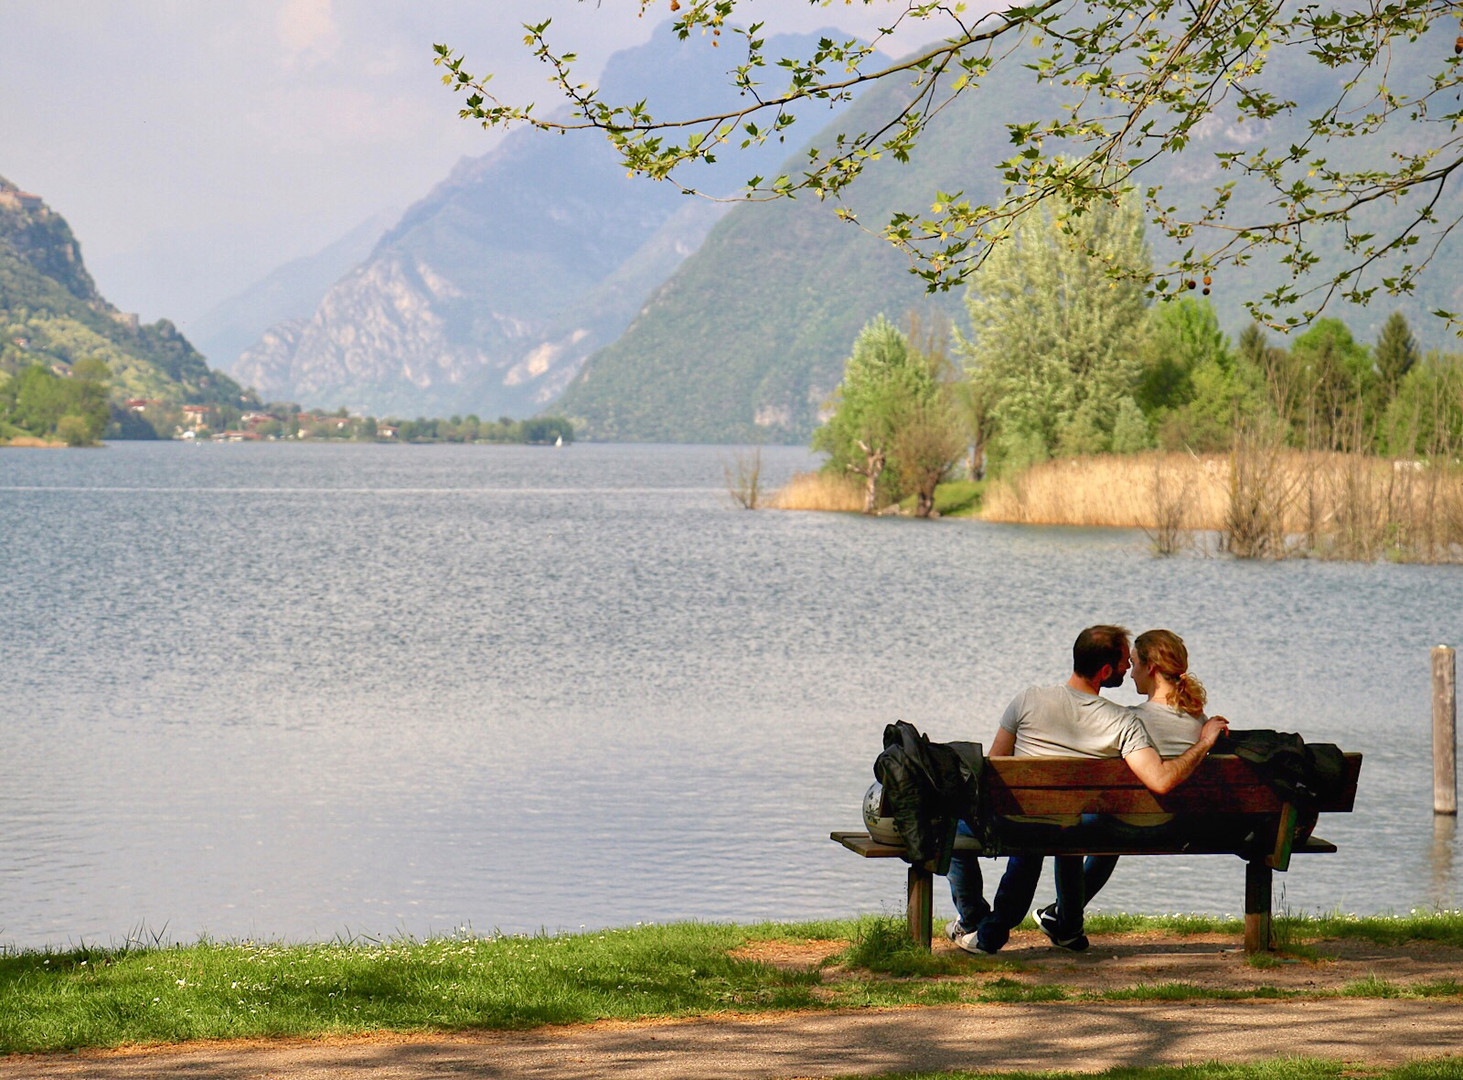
880	825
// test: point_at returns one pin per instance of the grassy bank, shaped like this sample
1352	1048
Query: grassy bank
109	997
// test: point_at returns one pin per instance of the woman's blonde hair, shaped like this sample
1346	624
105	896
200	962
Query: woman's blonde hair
1164	651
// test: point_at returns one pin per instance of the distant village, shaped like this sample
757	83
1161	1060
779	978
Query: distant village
217	423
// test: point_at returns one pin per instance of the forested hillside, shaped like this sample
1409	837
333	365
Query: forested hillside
54	325
746	341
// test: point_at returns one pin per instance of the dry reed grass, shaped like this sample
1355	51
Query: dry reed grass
1134	491
818	491
1264	500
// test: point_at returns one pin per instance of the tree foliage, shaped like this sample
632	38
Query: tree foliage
891	422
1055	327
1127	83
1396	351
73	409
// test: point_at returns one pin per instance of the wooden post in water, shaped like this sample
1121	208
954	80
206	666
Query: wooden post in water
1445	731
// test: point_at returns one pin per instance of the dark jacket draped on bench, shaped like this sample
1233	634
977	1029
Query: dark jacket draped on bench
929	788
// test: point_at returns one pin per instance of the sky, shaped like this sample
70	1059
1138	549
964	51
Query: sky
194	146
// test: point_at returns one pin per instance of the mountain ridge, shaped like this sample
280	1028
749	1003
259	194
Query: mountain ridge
491	290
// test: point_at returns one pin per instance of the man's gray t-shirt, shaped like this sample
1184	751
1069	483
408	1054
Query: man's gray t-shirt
1057	721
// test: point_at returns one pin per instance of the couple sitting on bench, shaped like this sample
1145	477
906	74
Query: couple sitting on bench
1163	740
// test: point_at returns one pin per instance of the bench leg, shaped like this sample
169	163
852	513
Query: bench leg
921	904
1257	905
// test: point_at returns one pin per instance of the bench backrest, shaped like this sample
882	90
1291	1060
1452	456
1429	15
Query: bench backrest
1222	784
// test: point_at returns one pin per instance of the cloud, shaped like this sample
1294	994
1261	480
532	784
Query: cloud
307	31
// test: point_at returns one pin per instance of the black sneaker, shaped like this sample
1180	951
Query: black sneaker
1046	918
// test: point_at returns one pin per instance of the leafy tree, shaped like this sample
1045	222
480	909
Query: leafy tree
1194	386
887	386
1333	380
1055	323
1179	336
1395	353
546	429
1426	415
927	445
976	399
44	404
1115	85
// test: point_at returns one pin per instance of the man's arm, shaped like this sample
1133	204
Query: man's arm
1161	776
1002	744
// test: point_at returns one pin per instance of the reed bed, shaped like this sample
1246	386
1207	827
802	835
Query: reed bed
1263	501
1133	491
818	491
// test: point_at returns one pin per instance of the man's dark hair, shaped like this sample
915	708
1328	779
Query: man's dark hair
1098	647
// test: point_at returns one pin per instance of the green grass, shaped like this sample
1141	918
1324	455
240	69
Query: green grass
954	498
959	498
1440	927
95	997
1123	923
92	997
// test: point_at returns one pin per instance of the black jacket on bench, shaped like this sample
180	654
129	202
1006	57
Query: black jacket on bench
1299	772
928	788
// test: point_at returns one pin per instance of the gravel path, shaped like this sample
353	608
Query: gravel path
1085	1037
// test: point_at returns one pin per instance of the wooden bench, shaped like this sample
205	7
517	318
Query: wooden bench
1223	784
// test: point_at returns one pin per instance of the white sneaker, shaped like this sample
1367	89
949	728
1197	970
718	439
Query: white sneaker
954	931
969	943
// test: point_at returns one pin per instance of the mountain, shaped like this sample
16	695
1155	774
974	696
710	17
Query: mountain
51	314
746	340
490	292
292	291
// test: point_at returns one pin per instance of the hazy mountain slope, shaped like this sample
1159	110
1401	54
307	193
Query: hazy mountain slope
747	339
292	291
489	292
51	314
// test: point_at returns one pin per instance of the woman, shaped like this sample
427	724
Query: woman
1173	716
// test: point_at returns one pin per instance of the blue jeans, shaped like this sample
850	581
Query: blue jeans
993	923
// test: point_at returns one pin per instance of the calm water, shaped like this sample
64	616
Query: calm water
301	691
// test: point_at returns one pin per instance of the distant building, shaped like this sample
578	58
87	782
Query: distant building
22	200
196	415
386	431
139	404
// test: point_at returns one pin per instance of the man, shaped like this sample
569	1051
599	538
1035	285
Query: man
1072	720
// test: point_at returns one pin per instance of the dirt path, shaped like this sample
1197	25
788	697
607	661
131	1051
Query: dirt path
1084	1036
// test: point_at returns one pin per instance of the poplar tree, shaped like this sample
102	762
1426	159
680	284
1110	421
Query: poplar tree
1055	328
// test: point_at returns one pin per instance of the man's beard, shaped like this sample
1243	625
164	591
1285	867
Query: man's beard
1115	679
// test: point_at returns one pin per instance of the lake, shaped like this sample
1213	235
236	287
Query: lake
308	691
